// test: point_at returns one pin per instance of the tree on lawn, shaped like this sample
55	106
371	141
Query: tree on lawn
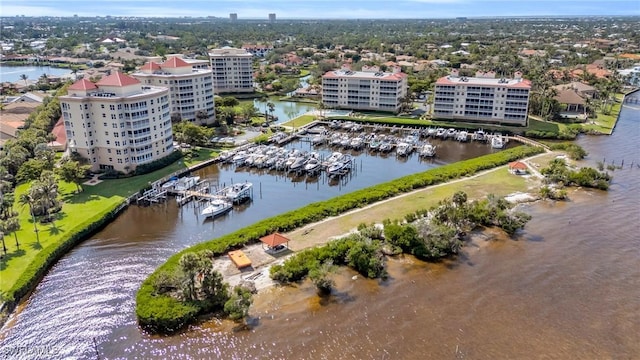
25	199
73	172
44	193
24	78
11	225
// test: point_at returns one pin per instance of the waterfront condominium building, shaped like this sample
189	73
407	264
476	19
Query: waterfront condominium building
483	98
369	89
232	72
190	90
117	123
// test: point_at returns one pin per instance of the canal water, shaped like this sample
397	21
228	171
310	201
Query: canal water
283	110
13	73
567	287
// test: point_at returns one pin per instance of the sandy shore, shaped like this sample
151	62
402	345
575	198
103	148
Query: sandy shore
321	232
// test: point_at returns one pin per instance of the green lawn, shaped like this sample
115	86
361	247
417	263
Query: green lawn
198	155
300	121
605	123
78	211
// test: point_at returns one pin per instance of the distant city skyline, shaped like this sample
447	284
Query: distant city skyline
322	9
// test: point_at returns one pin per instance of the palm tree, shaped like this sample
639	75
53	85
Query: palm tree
25	199
74	71
4	246
271	106
11	225
24	77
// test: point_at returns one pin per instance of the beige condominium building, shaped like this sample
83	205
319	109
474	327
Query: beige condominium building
190	89
232	71
117	123
369	89
483	98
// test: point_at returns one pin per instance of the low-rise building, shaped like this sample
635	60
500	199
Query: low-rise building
483	98
190	90
117	123
232	72
369	89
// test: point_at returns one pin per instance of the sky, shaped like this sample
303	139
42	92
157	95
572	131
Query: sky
320	9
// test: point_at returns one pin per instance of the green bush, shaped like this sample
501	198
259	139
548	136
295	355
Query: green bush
158	164
154	319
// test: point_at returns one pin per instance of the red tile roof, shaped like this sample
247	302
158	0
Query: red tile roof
118	79
274	239
175	62
444	81
59	132
150	66
83	84
518	165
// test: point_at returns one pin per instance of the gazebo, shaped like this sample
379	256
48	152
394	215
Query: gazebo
274	240
518	167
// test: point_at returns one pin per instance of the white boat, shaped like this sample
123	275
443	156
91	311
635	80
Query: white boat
385	146
318	139
334	157
428	150
298	163
497	142
225	155
480	135
186	183
440	132
312	166
338	168
462	136
237	192
170	184
216	207
451	132
404	149
356	143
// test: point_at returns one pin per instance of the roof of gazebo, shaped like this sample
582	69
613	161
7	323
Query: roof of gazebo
274	239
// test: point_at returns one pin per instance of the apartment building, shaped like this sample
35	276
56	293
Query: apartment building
232	71
117	123
190	89
369	89
483	98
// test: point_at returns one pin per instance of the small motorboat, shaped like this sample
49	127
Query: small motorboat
427	150
497	142
216	207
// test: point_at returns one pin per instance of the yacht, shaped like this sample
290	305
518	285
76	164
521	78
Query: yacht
237	192
216	207
186	183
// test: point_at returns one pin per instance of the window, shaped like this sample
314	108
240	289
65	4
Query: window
108	142
106	133
110	159
112	107
118	144
109	151
102	106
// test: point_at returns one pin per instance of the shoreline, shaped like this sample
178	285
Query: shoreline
335	227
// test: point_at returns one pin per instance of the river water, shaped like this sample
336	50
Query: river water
568	287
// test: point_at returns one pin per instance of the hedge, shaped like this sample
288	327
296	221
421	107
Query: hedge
160	313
